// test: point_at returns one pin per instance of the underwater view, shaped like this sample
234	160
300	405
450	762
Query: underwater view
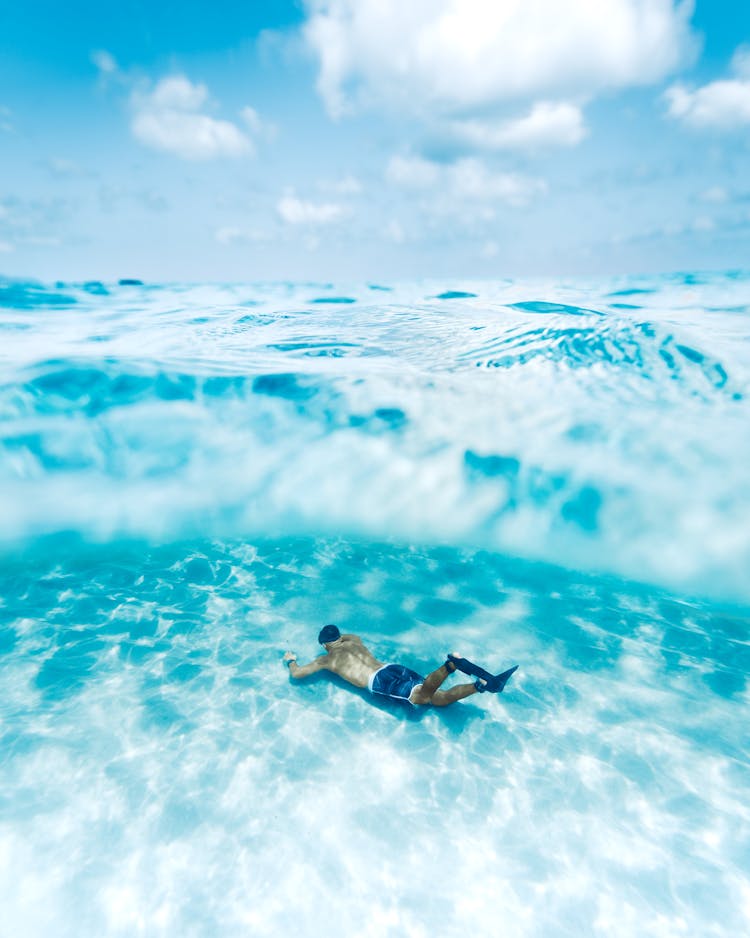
194	479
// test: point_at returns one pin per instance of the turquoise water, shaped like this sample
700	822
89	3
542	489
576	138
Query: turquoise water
195	478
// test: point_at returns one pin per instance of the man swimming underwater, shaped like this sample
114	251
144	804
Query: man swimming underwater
347	656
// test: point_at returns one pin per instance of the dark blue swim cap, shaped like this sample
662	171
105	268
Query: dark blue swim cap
329	633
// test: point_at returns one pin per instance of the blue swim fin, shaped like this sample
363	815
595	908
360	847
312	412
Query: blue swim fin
494	683
468	667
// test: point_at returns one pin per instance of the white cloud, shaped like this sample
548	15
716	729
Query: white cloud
548	123
104	61
394	231
258	127
722	104
179	94
112	196
414	172
231	235
347	185
703	223
295	211
36	220
62	168
471	179
169	117
740	64
716	195
6	247
252	119
452	56
5	120
467	179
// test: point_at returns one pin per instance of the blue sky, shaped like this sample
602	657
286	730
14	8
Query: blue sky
351	139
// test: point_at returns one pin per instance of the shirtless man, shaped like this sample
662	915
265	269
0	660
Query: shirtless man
347	656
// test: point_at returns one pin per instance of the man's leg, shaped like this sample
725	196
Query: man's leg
441	698
430	693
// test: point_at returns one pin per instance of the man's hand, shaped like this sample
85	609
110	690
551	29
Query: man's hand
317	664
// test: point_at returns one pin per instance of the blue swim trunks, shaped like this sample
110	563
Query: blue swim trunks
394	680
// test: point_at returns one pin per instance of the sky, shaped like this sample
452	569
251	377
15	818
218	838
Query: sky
372	139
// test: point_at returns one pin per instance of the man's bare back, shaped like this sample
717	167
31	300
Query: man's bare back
347	656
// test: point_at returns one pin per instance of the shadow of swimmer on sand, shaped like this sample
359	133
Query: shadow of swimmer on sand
347	656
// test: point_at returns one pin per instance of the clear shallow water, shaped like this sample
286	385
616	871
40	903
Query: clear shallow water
195	478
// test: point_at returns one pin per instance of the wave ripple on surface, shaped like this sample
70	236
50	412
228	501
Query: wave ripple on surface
541	420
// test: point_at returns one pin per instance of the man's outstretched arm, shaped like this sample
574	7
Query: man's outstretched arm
305	670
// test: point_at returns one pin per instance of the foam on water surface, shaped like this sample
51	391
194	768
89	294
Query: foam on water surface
194	479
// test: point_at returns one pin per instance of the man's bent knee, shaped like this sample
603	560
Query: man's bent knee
419	697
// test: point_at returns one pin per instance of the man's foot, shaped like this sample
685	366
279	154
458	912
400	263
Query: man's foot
450	662
456	663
